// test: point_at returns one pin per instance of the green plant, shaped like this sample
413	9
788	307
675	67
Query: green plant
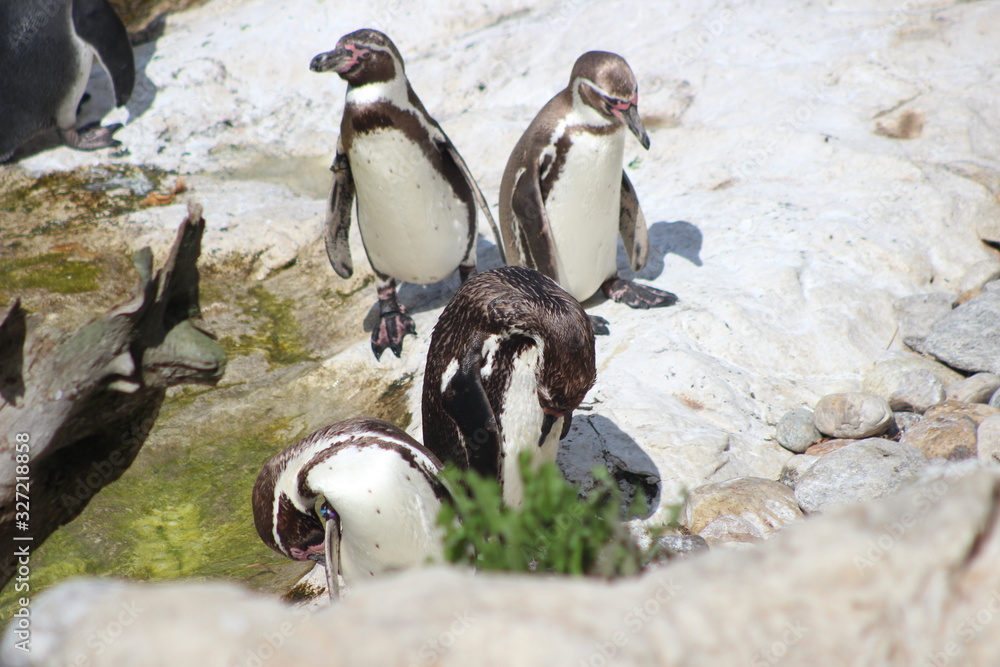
554	530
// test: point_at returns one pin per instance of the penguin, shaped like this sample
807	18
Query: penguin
510	358
46	52
360	496
564	197
416	198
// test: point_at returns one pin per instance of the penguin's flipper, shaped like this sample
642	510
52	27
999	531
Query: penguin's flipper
464	399
338	216
632	226
535	236
450	149
97	24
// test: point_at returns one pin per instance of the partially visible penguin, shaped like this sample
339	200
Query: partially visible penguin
416	198
46	52
510	358
564	197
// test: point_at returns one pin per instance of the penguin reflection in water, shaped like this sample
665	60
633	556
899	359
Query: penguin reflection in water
564	197
510	358
416	198
360	496
46	52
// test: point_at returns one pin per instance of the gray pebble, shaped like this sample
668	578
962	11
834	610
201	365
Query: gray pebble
976	388
866	470
916	314
988	439
796	430
904	388
969	336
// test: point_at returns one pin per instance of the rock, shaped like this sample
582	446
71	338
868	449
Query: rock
852	415
904	385
949	436
976	388
679	547
796	430
979	274
827	446
863	471
917	313
977	412
988	439
968	337
902	421
994	401
795	467
744	509
865	568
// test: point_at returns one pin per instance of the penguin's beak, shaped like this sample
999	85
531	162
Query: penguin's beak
331	550
634	123
339	60
548	421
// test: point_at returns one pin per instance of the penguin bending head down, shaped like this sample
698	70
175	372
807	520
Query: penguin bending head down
510	358
46	52
416	198
360	496
564	197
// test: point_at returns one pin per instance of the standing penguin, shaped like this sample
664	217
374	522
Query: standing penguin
46	51
360	496
416	198
564	197
510	358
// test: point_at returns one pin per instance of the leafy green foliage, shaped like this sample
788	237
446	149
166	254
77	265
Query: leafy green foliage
555	530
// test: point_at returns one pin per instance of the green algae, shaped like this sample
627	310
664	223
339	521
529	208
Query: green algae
182	510
51	272
278	335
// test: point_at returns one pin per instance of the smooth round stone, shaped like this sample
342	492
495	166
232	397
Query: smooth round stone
827	446
796	430
744	509
994	401
905	388
969	336
862	471
976	388
988	439
795	467
852	415
950	436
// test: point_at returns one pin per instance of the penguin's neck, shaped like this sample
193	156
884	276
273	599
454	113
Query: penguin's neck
394	91
582	114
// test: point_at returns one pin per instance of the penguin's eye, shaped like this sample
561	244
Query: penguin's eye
364	55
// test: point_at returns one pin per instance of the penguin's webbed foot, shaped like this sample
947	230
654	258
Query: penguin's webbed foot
392	327
635	295
600	325
91	137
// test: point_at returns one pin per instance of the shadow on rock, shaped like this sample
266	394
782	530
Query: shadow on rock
680	238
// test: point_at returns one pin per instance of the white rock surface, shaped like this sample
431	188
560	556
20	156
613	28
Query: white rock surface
852	415
781	210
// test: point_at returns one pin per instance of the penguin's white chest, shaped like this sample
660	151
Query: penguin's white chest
414	227
583	208
387	510
521	419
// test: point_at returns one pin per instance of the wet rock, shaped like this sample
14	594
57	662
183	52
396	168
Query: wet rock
950	436
795	468
976	388
796	430
969	336
904	384
988	439
917	313
744	509
827	446
852	415
865	470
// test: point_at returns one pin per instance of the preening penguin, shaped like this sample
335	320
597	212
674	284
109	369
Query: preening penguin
416	198
564	197
46	51
360	496
510	358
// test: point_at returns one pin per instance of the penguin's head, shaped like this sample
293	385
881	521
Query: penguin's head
291	531
362	57
605	82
